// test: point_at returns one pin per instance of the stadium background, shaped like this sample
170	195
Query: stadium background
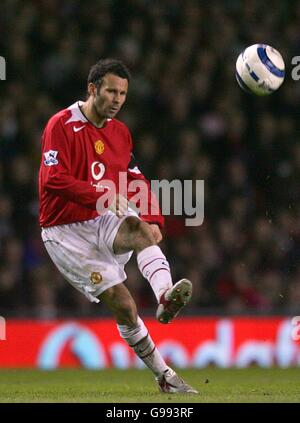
189	119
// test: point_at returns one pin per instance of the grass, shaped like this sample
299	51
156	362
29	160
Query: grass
252	385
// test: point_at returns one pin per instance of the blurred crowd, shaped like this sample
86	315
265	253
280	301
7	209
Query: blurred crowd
189	120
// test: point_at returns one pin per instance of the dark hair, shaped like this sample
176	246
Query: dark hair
104	66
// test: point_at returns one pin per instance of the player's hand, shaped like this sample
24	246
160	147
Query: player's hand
119	206
156	232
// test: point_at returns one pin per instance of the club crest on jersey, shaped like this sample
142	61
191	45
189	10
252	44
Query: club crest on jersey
95	278
99	147
50	158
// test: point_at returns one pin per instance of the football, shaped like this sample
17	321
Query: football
260	69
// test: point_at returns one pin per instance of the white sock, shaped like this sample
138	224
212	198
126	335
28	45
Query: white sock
155	268
140	341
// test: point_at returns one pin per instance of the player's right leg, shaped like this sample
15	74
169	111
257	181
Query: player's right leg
134	332
136	235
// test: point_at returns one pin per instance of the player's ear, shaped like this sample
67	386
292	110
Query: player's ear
92	89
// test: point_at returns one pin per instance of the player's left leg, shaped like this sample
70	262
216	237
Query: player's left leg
133	330
131	327
136	235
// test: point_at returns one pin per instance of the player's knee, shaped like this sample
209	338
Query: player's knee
141	233
133	225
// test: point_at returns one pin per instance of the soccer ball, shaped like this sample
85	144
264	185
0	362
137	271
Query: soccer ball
260	69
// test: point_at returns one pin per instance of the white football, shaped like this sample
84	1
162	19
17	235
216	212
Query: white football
260	69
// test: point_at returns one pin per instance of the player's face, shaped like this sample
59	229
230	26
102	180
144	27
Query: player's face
111	95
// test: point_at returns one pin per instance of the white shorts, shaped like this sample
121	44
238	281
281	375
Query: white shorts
83	253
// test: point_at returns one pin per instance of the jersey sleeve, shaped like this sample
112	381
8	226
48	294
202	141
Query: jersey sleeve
153	213
55	168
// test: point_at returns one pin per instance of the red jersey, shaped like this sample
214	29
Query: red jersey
76	155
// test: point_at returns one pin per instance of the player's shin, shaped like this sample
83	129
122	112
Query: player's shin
155	268
139	339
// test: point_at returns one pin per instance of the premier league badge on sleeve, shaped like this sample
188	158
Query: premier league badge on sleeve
50	158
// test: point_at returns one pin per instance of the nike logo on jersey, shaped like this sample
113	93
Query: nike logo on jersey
78	129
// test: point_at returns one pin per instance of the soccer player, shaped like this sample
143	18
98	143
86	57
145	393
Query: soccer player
82	147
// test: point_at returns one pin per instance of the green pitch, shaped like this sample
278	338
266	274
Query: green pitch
117	386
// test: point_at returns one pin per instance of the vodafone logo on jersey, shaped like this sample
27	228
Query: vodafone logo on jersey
98	170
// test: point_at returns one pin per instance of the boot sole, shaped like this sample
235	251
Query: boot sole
179	297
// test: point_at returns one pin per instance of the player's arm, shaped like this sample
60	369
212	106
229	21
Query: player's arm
56	166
